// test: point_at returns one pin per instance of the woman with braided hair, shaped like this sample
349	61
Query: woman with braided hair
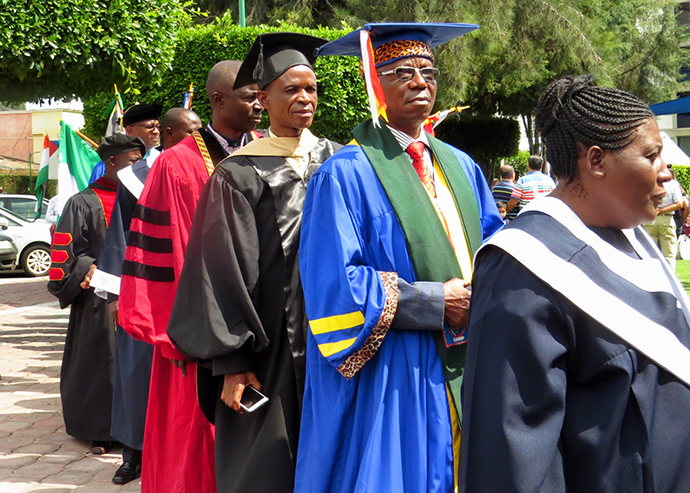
578	367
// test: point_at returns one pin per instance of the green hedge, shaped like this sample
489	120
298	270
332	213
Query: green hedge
20	184
342	97
683	176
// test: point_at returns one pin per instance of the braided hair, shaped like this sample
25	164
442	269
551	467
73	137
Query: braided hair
577	110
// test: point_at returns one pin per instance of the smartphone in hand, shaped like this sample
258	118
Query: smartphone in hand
252	399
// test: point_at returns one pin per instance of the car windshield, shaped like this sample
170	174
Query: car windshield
22	205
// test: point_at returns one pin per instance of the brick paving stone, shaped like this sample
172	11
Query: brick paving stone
12	442
74	445
15	461
14	425
38	448
89	464
66	457
74	478
38	470
34	417
58	436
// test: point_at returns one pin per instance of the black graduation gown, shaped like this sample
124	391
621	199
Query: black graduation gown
555	402
241	292
132	358
86	376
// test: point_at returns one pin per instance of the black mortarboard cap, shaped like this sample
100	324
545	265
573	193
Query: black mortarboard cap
118	144
274	53
141	112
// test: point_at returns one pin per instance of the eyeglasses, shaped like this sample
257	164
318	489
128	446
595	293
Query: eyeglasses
405	73
149	126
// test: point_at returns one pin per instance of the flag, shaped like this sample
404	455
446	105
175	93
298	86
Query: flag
188	96
49	148
433	121
77	160
114	114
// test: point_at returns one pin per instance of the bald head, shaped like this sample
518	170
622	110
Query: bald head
222	77
177	124
507	172
234	111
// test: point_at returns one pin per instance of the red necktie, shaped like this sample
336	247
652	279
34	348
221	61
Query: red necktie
416	152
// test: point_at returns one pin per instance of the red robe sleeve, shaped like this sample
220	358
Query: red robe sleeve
156	245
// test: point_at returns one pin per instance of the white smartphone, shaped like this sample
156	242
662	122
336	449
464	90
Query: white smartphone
252	399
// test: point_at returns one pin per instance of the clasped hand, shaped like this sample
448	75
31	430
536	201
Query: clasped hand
457	302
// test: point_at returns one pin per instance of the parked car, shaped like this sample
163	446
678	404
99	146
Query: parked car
8	253
22	205
32	239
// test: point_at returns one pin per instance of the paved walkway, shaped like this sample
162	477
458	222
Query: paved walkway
35	452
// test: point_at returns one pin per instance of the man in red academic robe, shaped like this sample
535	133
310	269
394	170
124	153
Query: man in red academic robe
178	451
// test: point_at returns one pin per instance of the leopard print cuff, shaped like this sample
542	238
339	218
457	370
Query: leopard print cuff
355	362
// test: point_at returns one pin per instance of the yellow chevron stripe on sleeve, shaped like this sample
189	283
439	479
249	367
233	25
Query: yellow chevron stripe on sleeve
330	348
336	322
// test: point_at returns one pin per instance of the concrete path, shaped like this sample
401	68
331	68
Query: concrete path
35	452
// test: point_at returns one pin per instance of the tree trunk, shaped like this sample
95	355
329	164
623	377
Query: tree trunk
532	138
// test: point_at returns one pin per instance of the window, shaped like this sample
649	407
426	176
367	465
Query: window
684	143
23	207
683	120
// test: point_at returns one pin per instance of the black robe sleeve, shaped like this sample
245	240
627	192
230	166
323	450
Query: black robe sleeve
515	384
72	253
214	316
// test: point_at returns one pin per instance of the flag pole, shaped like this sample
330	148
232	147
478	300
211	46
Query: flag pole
89	141
117	102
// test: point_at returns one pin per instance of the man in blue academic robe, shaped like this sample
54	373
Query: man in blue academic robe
390	225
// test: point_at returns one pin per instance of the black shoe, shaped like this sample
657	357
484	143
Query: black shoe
100	448
126	473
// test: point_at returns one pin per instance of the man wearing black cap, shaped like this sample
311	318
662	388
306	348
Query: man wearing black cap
239	305
390	226
153	261
86	375
132	357
139	120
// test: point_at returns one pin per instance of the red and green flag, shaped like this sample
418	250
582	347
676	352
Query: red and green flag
49	149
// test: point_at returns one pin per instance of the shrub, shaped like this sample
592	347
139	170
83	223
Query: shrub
20	184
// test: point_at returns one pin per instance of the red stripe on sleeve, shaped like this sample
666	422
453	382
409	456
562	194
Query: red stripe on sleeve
59	256
62	239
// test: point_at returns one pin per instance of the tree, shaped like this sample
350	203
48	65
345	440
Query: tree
647	49
72	48
304	13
